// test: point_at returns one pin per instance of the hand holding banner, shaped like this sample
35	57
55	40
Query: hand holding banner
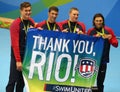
61	62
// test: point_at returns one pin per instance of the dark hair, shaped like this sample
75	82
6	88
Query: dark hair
73	8
24	5
98	15
53	8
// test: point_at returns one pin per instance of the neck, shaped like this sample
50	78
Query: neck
99	29
72	20
50	21
23	18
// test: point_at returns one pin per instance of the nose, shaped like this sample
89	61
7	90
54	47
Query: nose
55	15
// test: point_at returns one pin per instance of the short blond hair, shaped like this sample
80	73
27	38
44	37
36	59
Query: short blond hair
73	8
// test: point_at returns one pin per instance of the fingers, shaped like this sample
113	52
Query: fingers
39	28
97	35
65	30
80	32
107	36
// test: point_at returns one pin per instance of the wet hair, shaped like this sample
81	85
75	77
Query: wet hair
73	8
54	8
98	15
24	5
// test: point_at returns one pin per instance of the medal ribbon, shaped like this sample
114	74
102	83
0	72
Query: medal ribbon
25	27
70	27
49	26
101	33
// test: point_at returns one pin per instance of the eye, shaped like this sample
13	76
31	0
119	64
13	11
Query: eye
98	20
28	10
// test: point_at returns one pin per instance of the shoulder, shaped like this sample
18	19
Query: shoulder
81	23
16	22
57	23
90	30
15	25
108	29
31	20
64	22
41	23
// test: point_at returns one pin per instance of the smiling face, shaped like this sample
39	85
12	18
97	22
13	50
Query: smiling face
52	15
73	15
25	12
98	22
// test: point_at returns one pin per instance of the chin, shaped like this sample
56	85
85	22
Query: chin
98	27
74	21
27	17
